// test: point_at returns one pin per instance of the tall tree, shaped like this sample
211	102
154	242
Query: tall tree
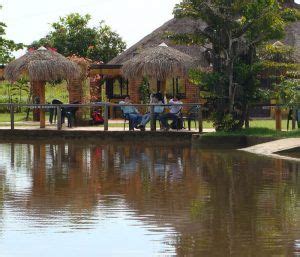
6	46
71	35
234	29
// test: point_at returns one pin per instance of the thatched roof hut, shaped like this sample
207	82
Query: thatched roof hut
187	26
41	65
157	37
160	62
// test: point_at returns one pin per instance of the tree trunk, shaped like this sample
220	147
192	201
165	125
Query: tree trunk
35	89
231	91
42	101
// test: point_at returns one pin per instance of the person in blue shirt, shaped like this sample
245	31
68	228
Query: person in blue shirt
131	113
158	109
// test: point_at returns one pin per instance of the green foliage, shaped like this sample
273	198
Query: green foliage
72	35
224	121
108	44
234	30
290	15
6	46
277	52
144	91
287	92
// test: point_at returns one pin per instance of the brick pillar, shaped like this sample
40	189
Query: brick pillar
95	89
75	90
35	89
133	90
192	92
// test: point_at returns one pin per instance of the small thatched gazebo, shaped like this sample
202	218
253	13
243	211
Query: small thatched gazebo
40	66
160	62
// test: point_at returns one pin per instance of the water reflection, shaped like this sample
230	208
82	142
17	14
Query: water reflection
139	200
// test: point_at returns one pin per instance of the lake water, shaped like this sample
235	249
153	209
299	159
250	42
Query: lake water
87	199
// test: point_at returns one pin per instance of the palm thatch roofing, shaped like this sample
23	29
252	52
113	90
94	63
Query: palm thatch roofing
189	25
160	62
41	65
157	37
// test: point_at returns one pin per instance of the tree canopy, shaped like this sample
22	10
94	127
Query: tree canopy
6	46
71	35
234	29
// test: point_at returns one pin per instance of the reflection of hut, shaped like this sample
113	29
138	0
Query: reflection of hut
40	66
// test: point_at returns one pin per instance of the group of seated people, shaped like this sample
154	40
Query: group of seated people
139	121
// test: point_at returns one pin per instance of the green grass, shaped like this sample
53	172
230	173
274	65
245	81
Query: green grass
259	132
58	91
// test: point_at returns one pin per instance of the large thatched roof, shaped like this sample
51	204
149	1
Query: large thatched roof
160	62
188	25
180	26
41	65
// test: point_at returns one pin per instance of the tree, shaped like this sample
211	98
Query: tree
234	29
108	44
6	46
279	66
71	35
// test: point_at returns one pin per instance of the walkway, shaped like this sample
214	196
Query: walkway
271	149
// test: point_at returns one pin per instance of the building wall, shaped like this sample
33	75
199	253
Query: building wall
192	93
133	90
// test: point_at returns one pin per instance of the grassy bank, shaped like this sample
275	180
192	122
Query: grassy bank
258	132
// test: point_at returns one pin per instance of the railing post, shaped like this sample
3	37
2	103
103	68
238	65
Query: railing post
200	119
59	118
12	116
106	107
153	121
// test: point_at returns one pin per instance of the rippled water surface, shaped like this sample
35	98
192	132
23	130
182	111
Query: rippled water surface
83	199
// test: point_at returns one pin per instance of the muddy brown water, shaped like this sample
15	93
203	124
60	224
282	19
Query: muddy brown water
105	199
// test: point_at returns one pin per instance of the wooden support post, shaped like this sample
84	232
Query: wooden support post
12	116
278	118
59	118
42	101
106	108
200	119
153	121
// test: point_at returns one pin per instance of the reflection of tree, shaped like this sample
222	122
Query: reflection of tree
220	203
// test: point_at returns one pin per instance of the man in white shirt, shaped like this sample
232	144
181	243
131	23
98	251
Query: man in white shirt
174	114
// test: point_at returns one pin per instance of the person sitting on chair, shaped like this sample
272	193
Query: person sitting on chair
131	113
158	110
174	114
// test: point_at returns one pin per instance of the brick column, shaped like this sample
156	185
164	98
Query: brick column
36	91
95	89
192	92
133	90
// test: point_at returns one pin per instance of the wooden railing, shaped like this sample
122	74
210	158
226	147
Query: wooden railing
105	111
